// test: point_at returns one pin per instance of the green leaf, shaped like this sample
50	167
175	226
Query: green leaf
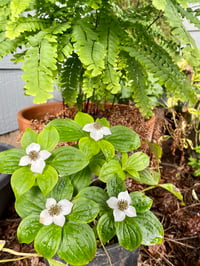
68	160
128	234
83	118
32	202
123	139
62	190
133	174
150	227
28	229
137	161
124	159
106	227
55	262
115	185
149	177
156	149
96	164
88	146
83	211
69	130
81	179
9	160
17	7
29	136
173	189
110	169
48	138
140	201
103	121
107	148
22	180
78	245
96	194
47	240
47	180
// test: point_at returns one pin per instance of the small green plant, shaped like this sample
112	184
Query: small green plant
59	199
195	161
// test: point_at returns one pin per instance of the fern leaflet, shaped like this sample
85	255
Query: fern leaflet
90	51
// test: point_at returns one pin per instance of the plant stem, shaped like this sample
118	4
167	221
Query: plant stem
148	188
13	252
21	258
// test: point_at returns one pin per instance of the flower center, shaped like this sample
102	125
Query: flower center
97	125
33	155
55	210
122	205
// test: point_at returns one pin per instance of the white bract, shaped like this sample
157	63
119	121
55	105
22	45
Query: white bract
35	157
121	206
97	130
55	212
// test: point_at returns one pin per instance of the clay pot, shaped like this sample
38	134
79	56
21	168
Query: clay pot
37	112
5	188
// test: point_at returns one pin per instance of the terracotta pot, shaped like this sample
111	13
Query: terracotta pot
147	129
5	188
37	112
117	254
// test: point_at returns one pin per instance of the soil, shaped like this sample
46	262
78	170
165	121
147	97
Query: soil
181	245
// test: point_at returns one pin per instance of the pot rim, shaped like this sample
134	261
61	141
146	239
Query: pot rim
4	178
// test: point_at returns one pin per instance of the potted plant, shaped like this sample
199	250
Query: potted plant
100	50
5	189
73	199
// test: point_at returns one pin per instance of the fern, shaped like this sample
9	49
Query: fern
166	71
110	40
7	45
90	51
39	67
70	79
176	23
188	14
31	24
139	86
97	49
65	47
17	7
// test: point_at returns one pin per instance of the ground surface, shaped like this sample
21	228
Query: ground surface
181	246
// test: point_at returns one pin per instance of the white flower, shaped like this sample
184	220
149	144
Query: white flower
97	130
35	157
55	212
121	206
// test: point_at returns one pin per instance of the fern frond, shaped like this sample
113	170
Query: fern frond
8	46
111	78
59	27
163	68
139	86
17	7
65	47
70	79
175	21
31	24
4	2
189	14
90	51
109	36
94	3
39	67
159	4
